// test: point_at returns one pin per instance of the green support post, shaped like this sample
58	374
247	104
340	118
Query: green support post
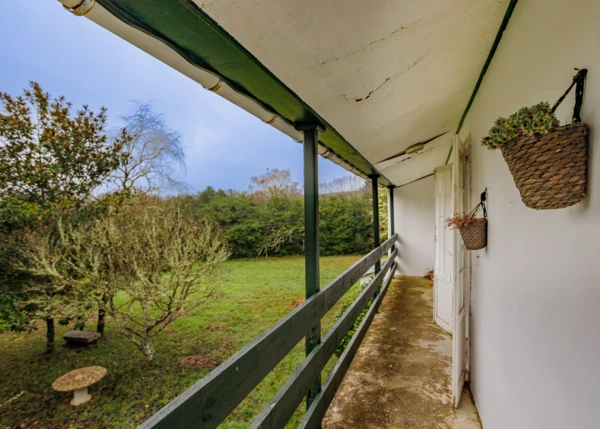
311	234
391	214
376	241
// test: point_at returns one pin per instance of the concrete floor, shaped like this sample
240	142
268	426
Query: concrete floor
400	377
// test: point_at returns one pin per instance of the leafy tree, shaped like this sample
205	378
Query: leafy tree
237	213
257	226
162	262
50	155
346	224
383	214
282	221
12	316
51	161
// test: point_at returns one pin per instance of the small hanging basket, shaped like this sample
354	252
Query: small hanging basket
472	230
551	170
474	235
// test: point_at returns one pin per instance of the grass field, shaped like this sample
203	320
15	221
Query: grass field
255	294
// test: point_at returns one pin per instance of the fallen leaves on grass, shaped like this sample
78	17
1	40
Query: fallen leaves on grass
199	362
217	328
295	302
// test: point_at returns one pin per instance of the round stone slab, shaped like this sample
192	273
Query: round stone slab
80	378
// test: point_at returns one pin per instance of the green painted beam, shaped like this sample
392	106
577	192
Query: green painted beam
488	61
194	35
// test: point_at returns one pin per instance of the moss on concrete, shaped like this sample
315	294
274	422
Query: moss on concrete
400	377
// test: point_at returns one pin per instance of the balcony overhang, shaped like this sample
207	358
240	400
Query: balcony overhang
379	76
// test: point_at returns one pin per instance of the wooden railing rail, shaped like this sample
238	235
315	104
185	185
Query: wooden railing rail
283	405
208	402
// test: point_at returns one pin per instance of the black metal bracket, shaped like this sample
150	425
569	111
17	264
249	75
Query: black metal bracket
483	199
579	80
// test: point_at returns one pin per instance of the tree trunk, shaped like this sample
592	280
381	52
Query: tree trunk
49	334
102	316
144	344
101	321
148	350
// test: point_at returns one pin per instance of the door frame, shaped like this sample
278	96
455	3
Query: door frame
448	327
461	278
469	267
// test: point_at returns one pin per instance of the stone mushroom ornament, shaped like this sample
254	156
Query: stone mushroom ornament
78	381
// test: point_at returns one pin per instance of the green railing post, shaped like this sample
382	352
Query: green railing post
375	189
311	234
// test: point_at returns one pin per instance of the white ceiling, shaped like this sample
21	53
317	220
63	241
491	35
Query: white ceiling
385	73
404	169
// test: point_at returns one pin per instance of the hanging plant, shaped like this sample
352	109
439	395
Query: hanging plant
528	121
548	162
473	230
460	220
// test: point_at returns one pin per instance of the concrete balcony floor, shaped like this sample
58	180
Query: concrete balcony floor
400	377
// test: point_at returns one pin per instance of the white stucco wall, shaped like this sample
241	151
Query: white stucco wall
536	288
414	222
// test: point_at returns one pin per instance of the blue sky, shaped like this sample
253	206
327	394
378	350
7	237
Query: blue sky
74	57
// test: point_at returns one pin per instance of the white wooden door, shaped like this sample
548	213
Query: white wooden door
444	248
459	273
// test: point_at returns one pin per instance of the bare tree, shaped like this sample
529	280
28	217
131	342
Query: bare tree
155	159
163	263
274	183
155	151
343	185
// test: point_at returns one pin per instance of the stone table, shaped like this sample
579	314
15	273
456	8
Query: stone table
78	381
81	337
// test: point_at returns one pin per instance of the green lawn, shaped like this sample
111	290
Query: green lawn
255	294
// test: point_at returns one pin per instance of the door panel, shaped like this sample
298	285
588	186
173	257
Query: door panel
444	248
459	312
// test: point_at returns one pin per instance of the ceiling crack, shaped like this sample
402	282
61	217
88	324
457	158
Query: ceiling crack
372	43
384	82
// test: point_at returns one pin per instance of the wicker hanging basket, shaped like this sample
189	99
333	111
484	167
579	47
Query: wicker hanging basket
474	235
472	230
551	170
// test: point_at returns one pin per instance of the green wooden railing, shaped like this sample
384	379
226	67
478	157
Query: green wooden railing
208	402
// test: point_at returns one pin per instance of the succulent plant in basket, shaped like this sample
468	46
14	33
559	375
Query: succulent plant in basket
538	119
548	161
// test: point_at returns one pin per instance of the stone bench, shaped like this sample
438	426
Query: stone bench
81	337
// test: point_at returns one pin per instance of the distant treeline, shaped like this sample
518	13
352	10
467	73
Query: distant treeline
272	223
